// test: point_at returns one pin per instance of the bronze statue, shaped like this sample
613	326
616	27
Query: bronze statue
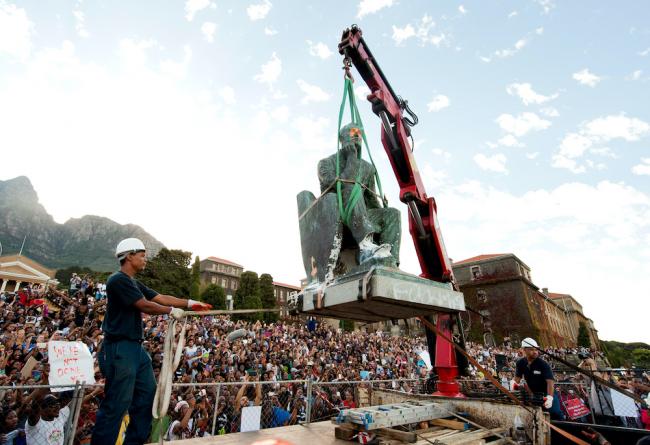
367	233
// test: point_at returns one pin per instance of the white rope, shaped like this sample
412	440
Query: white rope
172	353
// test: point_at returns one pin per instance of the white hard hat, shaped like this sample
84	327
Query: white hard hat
529	343
129	245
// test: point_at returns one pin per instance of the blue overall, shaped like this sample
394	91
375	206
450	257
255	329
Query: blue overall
130	383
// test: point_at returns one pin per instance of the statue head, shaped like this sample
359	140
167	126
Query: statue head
350	136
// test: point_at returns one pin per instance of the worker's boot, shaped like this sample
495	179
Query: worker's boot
369	250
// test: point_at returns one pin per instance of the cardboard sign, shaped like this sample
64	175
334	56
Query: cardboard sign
575	408
250	418
70	362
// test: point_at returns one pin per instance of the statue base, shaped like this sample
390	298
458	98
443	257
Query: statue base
377	293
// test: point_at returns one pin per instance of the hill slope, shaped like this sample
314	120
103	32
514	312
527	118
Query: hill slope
87	241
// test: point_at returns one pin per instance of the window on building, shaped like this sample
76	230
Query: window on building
475	271
223	283
214	280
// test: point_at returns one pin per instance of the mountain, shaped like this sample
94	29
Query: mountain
87	241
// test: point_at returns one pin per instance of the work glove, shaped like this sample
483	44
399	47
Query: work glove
514	386
177	313
198	306
548	402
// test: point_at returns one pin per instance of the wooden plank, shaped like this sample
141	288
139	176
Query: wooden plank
469	437
429	430
404	436
452	424
344	433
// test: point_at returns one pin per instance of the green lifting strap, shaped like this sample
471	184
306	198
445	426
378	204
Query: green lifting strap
357	190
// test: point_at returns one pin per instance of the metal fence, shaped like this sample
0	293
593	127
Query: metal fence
211	409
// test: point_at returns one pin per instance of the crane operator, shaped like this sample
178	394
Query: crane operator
130	384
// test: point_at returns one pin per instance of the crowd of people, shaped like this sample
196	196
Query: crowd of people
260	367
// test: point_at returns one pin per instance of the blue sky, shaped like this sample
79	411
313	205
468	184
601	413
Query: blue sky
201	120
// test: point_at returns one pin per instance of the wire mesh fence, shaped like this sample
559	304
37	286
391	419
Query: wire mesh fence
44	415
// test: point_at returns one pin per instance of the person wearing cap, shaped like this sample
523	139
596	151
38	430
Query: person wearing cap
126	365
539	378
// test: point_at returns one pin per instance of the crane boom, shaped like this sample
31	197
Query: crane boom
422	216
423	219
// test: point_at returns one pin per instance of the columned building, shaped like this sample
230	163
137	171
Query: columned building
17	271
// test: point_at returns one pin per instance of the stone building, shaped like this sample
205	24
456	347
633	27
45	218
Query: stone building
221	272
508	304
574	315
282	292
17	271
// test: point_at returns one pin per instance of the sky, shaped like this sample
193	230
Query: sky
201	120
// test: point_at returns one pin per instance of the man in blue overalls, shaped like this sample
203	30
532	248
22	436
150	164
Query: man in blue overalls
130	384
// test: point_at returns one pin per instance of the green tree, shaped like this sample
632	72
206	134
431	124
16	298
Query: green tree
641	357
64	275
583	336
195	287
267	296
168	272
214	295
247	295
347	325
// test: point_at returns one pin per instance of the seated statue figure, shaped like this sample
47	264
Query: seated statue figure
371	234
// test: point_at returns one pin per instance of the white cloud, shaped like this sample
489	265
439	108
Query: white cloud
516	47
494	163
645	52
281	113
546	5
510	141
361	92
439	102
312	93
462	9
367	7
525	92
80	25
194	6
643	168
421	31
584	77
634	75
549	112
565	237
271	71
319	50
532	155
227	94
259	11
402	34
208	29
440	152
15	31
522	124
613	127
513	14
597	131
270	31
175	68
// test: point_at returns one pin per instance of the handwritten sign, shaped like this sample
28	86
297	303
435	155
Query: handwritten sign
70	362
576	408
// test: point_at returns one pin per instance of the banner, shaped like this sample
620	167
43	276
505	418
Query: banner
70	362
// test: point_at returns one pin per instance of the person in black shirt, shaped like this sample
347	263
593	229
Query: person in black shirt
130	383
539	378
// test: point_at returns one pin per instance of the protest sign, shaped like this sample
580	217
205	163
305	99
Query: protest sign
250	418
70	362
576	408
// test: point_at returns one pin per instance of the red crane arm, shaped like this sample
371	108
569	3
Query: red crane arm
423	219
